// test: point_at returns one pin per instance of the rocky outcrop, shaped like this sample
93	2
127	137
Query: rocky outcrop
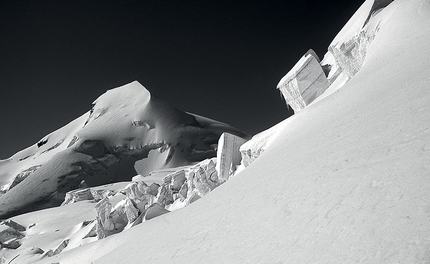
304	82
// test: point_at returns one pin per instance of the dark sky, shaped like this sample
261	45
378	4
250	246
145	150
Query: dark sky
219	59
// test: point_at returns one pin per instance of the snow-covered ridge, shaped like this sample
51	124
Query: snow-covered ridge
127	129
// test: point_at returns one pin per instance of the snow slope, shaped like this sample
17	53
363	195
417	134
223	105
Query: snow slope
346	181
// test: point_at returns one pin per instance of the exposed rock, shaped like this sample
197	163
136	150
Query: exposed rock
228	155
304	82
42	142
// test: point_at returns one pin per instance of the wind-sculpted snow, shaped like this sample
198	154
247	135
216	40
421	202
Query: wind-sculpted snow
377	6
346	180
350	46
124	126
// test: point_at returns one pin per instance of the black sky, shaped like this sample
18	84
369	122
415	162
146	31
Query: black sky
219	59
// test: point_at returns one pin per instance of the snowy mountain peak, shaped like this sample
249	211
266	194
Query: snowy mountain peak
128	131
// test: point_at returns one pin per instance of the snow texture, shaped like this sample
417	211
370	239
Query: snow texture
104	146
343	181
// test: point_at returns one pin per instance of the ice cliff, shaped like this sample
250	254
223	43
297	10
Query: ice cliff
310	77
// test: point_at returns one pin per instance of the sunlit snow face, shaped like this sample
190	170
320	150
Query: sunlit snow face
127	132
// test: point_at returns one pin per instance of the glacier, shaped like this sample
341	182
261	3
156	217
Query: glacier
128	131
344	180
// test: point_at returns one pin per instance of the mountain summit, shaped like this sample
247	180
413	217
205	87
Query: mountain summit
128	131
